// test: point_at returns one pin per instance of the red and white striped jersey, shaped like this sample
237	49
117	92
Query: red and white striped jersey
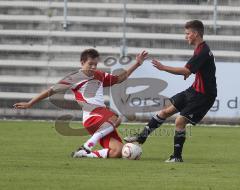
88	91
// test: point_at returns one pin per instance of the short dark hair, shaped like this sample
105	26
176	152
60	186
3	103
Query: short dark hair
196	25
92	53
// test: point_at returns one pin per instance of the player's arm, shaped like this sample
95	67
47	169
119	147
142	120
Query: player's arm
61	87
139	60
41	96
174	70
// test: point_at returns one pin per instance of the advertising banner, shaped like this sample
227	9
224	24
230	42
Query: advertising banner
148	89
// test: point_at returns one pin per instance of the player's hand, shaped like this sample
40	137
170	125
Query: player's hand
157	64
141	57
22	105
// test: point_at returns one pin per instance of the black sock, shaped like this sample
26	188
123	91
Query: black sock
153	124
179	140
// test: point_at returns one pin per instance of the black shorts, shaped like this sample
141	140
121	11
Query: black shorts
192	105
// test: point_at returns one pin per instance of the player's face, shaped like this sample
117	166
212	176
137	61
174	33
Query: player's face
190	36
90	65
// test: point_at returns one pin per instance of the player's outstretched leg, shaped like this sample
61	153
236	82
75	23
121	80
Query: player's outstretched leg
153	124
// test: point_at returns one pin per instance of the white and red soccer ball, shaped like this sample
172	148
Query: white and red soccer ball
131	151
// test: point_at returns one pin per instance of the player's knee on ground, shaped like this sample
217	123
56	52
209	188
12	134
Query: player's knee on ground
180	122
115	153
115	148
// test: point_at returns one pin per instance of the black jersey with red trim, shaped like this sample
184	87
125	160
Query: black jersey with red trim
202	64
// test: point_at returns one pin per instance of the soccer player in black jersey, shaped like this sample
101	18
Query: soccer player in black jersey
192	103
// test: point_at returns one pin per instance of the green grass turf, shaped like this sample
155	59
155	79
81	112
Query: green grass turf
34	156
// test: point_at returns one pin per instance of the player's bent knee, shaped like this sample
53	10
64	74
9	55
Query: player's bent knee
115	148
115	120
115	153
181	122
118	122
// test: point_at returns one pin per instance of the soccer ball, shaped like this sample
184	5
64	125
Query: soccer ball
131	151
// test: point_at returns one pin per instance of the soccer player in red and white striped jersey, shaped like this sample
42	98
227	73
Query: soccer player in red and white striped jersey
87	85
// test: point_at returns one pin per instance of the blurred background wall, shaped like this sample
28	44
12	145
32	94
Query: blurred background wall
41	41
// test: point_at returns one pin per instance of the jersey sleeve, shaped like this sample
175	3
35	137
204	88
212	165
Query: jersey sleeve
109	79
197	60
64	84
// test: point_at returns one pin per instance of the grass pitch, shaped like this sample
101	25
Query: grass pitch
34	156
